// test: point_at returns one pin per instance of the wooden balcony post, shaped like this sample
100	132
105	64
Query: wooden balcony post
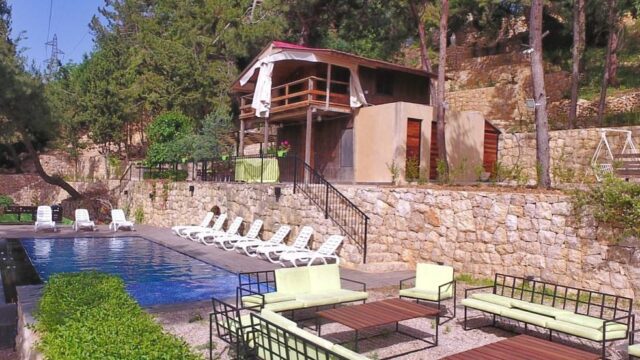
241	139
266	135
328	91
307	142
310	89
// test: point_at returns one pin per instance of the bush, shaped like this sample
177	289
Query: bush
5	201
89	315
613	202
173	175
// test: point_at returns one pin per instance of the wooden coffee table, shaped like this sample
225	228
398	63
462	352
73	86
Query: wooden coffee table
380	313
524	347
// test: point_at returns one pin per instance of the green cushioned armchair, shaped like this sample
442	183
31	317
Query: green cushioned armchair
432	283
229	325
634	349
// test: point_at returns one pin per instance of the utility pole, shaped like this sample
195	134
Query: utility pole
55	60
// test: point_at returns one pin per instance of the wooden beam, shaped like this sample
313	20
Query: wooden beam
328	90
307	139
266	136
241	139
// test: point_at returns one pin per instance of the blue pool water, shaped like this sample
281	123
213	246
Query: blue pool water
153	274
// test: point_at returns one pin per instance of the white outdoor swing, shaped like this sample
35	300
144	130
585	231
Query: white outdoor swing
606	164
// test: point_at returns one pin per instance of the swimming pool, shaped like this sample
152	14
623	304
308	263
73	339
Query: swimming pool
153	274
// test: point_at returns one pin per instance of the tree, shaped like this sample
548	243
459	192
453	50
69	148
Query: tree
215	126
610	61
579	24
23	103
169	139
418	9
440	93
539	93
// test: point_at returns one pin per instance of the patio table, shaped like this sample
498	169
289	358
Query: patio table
379	313
524	347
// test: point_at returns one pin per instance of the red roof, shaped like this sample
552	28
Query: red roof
286	45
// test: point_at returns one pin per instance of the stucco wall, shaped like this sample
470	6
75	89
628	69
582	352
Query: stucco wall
464	134
380	134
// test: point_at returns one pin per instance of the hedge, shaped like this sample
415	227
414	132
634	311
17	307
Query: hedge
89	315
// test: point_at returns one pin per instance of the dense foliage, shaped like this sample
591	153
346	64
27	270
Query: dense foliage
614	203
169	140
89	315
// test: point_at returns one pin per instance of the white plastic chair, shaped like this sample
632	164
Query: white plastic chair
118	220
216	227
44	219
229	242
326	251
273	251
231	230
180	230
83	221
249	247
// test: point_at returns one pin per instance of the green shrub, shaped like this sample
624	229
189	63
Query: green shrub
173	175
5	200
139	215
613	202
89	315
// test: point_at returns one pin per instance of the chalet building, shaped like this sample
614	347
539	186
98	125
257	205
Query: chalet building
353	118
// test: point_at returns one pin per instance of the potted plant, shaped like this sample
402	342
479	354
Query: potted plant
224	157
283	149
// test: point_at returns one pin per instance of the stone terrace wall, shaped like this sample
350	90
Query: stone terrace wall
175	206
478	232
570	150
484	232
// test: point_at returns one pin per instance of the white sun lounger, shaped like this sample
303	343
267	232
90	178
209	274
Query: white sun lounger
118	220
209	237
249	247
217	226
83	221
229	242
326	251
180	230
272	251
44	219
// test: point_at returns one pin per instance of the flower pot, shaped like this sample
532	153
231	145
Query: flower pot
282	153
224	157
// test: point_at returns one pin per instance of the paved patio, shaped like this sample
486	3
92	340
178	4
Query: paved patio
229	260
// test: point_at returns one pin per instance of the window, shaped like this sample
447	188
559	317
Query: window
384	82
346	148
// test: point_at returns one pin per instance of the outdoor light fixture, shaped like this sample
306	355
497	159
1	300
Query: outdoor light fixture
278	192
191	189
126	192
151	195
440	263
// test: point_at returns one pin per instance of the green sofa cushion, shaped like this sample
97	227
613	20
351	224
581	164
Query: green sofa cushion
538	308
583	331
272	297
277	319
484	306
344	295
634	350
351	355
590	322
423	294
324	278
317	299
528	317
285	305
430	276
493	298
293	280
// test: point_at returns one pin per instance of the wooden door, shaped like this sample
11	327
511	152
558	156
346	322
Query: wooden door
433	153
414	132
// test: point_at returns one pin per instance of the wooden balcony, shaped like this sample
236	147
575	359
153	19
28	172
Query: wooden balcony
292	99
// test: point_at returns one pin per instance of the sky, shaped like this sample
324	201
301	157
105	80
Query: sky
69	21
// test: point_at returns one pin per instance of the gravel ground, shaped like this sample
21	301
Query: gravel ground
193	326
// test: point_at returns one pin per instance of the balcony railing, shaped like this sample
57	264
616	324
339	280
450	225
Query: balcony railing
302	93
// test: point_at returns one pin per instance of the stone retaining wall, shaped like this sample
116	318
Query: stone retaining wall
571	153
478	232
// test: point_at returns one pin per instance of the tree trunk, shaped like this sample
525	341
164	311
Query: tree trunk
613	67
577	51
53	180
539	94
612	4
424	53
15	158
440	93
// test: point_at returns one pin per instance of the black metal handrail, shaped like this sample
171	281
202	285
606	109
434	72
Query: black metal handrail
337	207
269	168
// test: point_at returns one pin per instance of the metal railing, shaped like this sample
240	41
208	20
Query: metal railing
263	169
